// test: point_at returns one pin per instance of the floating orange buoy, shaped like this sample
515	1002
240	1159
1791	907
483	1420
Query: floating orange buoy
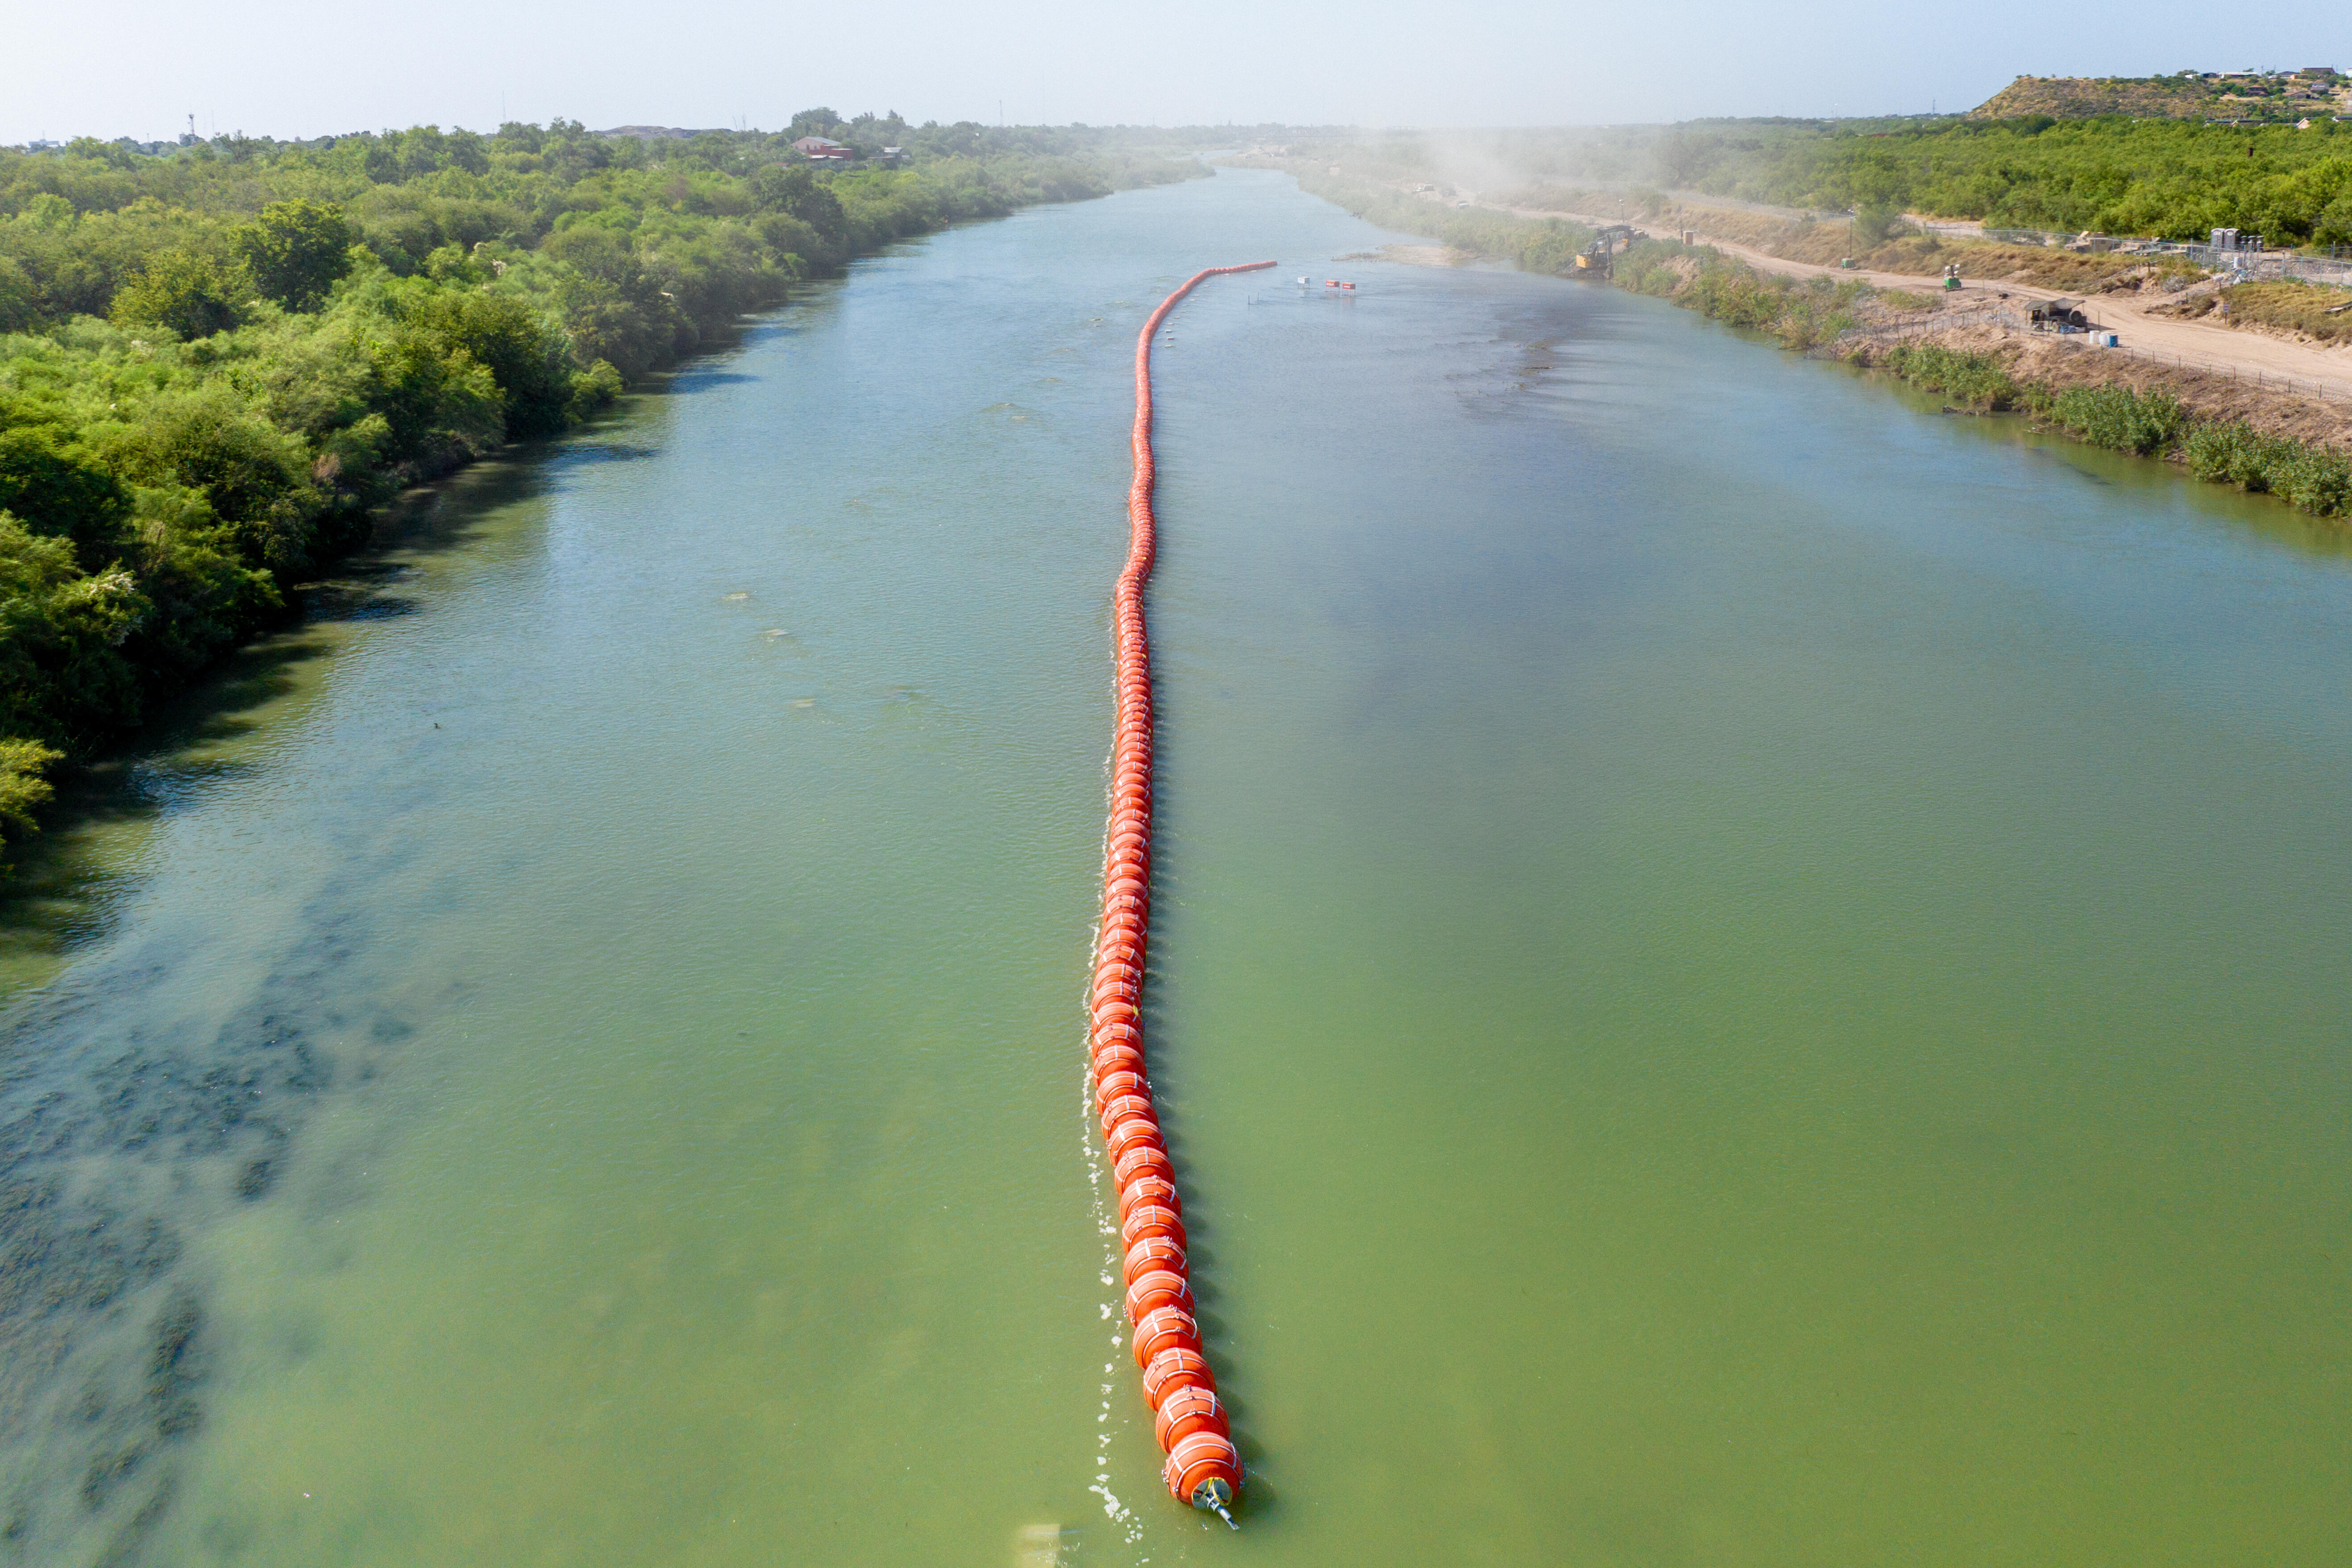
1203	1467
1117	1058
1109	1086
1144	1160
1131	1132
1154	1252
1125	1106
1148	1190
1154	1290
1163	1328
1205	1470
1172	1370
1149	1220
1185	1411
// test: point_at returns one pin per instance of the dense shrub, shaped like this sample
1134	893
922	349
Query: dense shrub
2175	178
1977	379
213	362
2119	418
1533	245
1800	313
2305	477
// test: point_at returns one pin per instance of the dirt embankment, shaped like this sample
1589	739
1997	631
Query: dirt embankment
2131	296
1830	241
2153	304
2296	312
2163	303
2035	359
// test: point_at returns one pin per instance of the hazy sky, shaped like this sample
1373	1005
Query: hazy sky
108	68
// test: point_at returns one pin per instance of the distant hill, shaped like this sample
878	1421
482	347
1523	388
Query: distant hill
2189	95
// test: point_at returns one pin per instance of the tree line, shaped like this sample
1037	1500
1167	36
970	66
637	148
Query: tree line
2169	179
216	360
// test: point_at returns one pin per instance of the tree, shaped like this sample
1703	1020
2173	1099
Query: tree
63	676
191	294
61	492
22	790
795	191
295	251
532	362
20	298
814	122
256	478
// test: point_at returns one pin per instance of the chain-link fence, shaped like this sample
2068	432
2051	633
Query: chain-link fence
2334	269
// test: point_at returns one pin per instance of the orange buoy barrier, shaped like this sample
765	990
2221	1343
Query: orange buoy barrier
1203	1467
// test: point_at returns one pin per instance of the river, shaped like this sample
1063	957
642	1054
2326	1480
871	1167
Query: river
1746	972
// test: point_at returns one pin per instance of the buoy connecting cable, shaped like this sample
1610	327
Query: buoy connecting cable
1203	1468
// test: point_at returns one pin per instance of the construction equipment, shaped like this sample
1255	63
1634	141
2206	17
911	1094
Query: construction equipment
2057	315
1596	259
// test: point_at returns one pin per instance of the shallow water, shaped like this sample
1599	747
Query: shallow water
1746	974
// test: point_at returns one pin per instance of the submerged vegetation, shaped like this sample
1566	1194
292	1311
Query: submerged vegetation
215	360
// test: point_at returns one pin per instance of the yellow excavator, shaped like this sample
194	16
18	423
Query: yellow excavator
1596	259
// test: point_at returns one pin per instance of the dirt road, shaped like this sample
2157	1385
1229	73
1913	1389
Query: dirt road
2327	372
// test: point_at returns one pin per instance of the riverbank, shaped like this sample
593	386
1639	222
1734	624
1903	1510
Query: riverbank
218	366
2217	427
1713	965
2160	307
2158	311
2220	429
2221	432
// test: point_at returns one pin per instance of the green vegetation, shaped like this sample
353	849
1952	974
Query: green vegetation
216	360
2174	179
1978	380
1534	245
2119	418
2170	178
2150	423
2304	477
2311	308
1800	313
2183	94
22	790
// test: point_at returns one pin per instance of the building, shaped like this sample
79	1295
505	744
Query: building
822	149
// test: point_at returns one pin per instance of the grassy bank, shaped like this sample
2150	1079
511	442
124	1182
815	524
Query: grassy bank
2151	421
2281	309
1887	244
2175	179
2210	442
2154	420
217	359
1548	246
1800	313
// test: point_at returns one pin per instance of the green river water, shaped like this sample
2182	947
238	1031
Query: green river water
1744	973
